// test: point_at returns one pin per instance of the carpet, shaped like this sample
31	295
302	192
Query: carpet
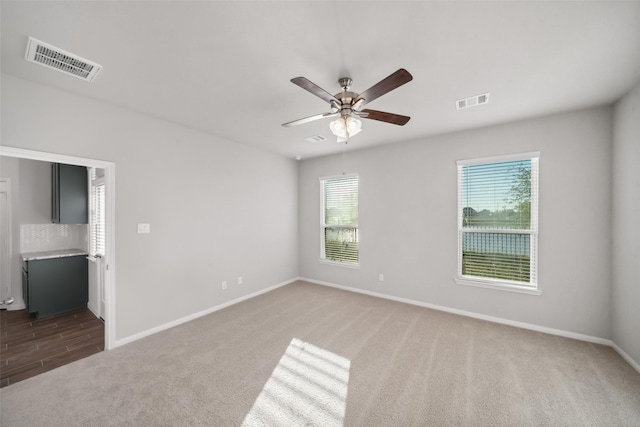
309	355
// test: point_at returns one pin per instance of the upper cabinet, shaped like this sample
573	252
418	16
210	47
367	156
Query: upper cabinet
69	194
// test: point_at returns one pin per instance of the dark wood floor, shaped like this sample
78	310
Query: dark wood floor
30	346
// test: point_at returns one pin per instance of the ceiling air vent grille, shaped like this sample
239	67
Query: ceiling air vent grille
315	138
60	60
473	101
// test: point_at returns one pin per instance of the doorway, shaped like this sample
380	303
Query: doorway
108	260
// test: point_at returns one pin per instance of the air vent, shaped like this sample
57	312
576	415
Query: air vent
315	138
473	101
60	60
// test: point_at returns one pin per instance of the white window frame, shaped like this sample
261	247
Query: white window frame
324	225
502	284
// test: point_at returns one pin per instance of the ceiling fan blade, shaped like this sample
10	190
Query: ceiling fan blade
309	119
381	116
385	85
308	85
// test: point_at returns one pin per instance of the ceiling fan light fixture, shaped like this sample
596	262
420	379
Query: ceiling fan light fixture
345	125
354	126
338	127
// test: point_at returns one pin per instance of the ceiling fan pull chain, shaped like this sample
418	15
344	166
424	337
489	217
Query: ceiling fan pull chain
344	156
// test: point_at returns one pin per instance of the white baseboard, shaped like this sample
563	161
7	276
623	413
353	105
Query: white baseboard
635	365
93	309
16	306
190	317
523	325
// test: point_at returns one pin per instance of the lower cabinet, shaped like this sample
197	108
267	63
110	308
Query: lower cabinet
56	285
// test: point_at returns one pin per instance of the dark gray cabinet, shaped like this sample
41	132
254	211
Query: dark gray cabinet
56	285
69	194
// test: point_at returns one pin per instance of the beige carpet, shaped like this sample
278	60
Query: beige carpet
310	355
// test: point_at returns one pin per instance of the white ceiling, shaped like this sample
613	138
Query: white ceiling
224	67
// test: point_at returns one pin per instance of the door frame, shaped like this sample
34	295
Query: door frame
110	237
9	250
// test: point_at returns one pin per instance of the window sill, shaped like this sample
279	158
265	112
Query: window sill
340	264
498	286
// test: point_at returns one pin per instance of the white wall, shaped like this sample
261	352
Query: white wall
217	209
10	168
408	220
34	196
625	231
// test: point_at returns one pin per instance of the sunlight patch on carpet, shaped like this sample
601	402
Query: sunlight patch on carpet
308	387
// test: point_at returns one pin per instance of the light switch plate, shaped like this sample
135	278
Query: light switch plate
144	228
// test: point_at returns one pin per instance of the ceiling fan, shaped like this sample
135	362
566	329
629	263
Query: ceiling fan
347	105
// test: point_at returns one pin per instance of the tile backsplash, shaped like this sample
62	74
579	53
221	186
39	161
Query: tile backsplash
50	237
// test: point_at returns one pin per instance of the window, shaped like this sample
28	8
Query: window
97	215
339	220
498	222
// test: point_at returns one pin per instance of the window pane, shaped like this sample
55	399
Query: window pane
341	201
341	244
497	195
497	255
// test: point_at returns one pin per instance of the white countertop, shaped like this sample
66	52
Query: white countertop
31	256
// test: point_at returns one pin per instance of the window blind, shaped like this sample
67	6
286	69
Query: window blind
97	213
497	220
340	219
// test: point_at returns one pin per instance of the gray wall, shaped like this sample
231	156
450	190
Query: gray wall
626	234
217	209
408	220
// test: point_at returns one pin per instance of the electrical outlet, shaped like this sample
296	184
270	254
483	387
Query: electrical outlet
381	277
239	280
224	285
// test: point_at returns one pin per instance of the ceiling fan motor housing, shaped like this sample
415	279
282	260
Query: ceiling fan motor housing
346	98
345	83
